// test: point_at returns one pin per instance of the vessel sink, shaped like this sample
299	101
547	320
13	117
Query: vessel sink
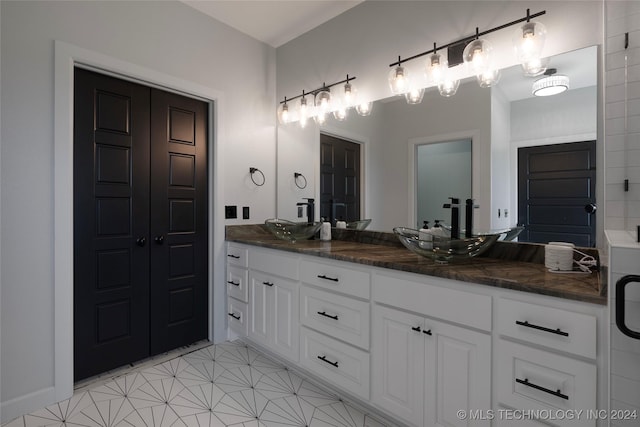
292	231
358	225
446	249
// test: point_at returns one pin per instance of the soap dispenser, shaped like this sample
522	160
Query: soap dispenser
425	237
437	229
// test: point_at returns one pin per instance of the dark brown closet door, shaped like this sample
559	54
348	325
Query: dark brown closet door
140	222
178	221
111	223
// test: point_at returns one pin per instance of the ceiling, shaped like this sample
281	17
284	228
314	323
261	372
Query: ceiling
273	22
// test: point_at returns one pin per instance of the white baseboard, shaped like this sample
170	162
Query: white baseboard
22	405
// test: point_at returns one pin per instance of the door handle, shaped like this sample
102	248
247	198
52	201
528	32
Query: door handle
620	308
590	208
141	241
159	239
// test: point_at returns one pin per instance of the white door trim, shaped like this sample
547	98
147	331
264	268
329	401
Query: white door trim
68	56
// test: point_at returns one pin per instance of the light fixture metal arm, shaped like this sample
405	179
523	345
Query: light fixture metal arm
315	91
469	38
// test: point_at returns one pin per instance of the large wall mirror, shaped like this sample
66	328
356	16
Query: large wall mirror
500	122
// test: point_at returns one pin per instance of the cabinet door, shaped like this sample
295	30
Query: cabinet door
259	309
285	317
397	352
457	374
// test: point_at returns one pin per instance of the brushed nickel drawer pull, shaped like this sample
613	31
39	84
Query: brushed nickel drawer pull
234	316
324	359
322	276
231	282
542	328
557	393
324	313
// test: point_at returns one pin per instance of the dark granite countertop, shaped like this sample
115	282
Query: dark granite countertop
508	265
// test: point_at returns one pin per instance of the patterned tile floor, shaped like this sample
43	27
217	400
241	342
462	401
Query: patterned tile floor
220	385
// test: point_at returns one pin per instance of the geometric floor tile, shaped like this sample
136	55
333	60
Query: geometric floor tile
222	385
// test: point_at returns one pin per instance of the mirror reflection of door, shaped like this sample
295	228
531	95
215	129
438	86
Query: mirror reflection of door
443	170
556	193
339	179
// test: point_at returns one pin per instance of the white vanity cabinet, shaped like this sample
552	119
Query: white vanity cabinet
237	288
546	361
424	370
273	302
335	318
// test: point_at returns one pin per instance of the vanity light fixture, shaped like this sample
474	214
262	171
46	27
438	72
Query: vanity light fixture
284	116
324	103
364	108
550	84
414	95
477	53
528	41
398	79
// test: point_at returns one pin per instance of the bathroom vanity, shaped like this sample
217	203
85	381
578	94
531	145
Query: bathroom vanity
481	342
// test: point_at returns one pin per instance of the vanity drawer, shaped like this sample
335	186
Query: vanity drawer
338	316
433	300
336	278
237	316
274	262
551	327
237	255
533	379
237	280
336	362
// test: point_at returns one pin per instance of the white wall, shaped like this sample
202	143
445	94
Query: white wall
501	187
622	106
168	37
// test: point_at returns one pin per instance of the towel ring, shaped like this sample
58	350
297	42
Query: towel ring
254	170
297	175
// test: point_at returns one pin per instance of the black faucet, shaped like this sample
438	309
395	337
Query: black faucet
468	219
311	209
455	216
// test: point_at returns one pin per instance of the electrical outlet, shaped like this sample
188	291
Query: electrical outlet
300	212
230	212
245	212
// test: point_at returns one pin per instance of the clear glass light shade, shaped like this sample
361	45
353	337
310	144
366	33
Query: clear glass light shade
550	85
399	80
323	102
304	112
320	118
528	41
535	66
448	87
340	111
350	96
284	116
478	55
414	95
488	78
364	108
437	67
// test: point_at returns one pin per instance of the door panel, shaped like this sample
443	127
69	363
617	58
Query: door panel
111	272
339	179
555	183
178	221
